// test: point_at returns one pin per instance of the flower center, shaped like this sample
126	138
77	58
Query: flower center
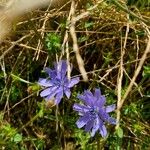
93	112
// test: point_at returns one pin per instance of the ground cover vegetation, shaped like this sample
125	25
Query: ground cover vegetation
46	101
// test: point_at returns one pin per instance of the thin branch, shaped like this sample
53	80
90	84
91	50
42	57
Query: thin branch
75	44
137	71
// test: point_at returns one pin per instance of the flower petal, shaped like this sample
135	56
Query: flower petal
88	93
44	82
49	91
90	99
101	101
59	89
110	108
45	92
67	93
59	96
89	125
52	73
103	115
97	93
61	68
83	120
80	108
73	82
95	126
112	120
81	97
103	131
87	97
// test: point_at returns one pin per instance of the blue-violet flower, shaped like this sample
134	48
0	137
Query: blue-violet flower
93	113
57	84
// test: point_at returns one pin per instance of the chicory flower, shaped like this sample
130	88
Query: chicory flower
93	113
57	84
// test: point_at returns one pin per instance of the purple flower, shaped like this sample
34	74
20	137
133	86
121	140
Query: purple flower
57	84
94	113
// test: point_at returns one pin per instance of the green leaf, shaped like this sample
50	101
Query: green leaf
17	138
88	24
146	72
82	39
120	132
41	113
53	42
